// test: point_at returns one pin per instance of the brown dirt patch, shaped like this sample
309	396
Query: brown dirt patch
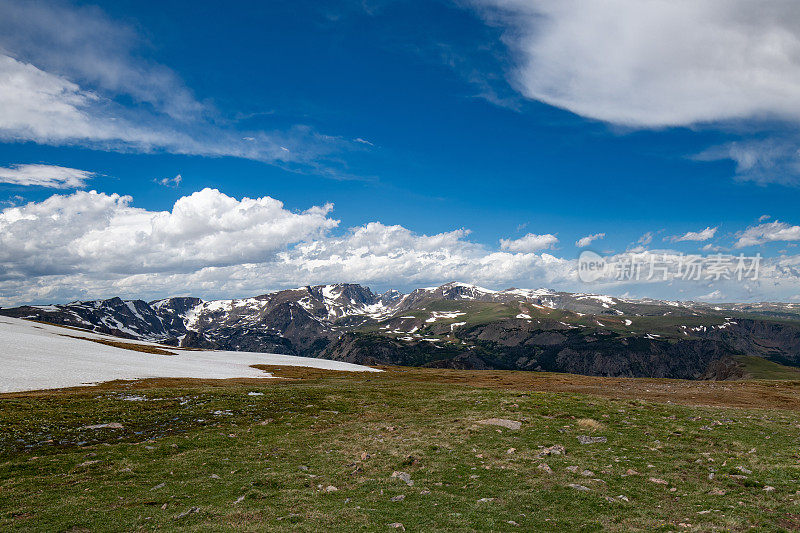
126	345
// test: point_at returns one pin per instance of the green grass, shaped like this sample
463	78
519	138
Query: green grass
209	447
760	368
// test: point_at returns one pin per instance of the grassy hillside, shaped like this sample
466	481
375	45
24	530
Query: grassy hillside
760	368
318	452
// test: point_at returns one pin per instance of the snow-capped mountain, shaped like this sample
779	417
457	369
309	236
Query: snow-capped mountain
455	324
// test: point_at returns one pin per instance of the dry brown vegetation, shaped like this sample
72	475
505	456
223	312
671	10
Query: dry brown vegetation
743	393
127	345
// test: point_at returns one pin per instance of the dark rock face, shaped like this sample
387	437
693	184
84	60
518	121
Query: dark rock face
193	339
371	349
726	368
777	341
570	351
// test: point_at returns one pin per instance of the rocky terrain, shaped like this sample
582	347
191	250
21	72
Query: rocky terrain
462	326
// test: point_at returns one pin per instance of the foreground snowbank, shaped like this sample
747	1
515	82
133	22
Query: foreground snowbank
39	356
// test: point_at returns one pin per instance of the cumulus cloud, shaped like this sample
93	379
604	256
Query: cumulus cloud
589	239
620	61
95	232
767	232
698	236
91	245
50	176
529	243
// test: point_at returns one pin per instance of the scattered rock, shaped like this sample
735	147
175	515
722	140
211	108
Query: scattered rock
631	472
502	422
89	463
214	476
240	499
398	498
578	487
552	450
159	486
255	394
717	492
544	467
397	525
512	523
330	488
110	425
511	450
404	477
587	473
425	492
659	481
586	439
744	470
365	456
485	500
574	469
186	513
769	488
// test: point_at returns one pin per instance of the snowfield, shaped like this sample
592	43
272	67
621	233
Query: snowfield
37	356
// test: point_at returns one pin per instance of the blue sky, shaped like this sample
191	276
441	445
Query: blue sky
502	118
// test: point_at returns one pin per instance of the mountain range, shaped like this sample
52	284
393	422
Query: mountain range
458	325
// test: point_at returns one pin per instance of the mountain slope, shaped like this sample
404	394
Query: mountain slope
462	326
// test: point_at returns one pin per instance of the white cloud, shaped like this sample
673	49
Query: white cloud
646	239
47	109
172	183
768	232
702	235
529	243
91	232
70	76
51	176
713	296
772	160
586	241
85	45
91	245
656	63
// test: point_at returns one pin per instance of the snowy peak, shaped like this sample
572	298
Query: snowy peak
126	318
306	319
